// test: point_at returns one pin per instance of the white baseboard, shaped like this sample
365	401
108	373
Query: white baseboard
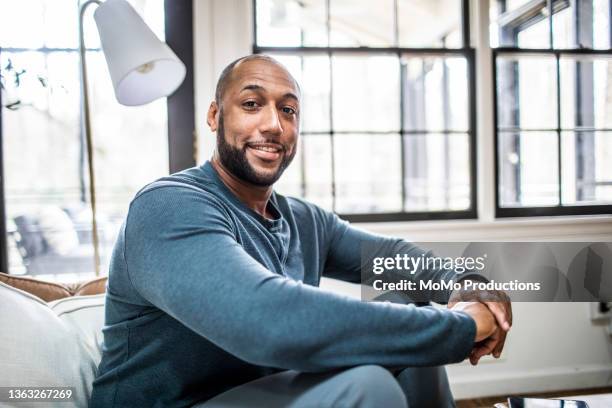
543	380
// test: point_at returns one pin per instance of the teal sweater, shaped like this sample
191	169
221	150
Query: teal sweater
205	294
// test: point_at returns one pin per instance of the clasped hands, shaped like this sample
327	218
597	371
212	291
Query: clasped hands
492	312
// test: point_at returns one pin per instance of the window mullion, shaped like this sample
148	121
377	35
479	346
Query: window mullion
3	231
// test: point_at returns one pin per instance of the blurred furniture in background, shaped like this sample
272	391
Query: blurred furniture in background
57	240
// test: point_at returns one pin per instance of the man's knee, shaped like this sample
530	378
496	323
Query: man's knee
371	386
426	387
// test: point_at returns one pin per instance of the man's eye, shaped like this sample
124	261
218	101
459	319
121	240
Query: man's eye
288	110
250	104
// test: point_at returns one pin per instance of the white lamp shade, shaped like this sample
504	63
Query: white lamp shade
142	67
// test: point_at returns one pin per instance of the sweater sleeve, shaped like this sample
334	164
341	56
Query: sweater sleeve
183	257
350	251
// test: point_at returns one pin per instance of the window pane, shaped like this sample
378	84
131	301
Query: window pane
287	23
586	92
22	74
355	23
587	167
583	24
318	169
312	73
367	189
526	92
602	24
152	11
65	93
437	172
536	35
435	93
366	93
22	23
528	169
433	23
41	166
57	33
519	23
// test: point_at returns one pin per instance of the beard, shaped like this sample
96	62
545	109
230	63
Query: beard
234	159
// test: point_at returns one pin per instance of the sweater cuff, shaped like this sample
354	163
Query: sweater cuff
465	337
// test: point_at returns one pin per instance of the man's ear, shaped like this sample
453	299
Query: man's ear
212	116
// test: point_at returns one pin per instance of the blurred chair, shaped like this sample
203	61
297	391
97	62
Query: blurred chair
56	241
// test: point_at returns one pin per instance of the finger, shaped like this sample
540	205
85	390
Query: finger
473	359
508	306
485	347
500	345
509	309
477	353
501	316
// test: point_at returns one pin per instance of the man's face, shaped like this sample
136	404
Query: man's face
258	122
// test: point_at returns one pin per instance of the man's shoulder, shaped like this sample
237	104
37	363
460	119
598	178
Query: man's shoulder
184	189
192	179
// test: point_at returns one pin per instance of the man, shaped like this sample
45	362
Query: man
212	295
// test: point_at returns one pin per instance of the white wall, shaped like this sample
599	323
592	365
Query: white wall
552	346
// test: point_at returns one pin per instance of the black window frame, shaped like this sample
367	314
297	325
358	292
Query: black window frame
466	51
553	6
178	16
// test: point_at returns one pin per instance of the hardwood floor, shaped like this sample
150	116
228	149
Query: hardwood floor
488	402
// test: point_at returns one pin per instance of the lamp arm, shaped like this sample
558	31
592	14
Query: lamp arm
86	128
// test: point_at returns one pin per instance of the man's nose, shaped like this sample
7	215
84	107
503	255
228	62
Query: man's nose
270	121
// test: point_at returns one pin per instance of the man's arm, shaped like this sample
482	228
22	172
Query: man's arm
183	257
345	260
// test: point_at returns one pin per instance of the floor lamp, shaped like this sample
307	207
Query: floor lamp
142	69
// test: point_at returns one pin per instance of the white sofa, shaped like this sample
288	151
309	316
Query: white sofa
54	344
59	343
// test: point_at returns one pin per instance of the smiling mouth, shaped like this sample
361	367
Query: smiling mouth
266	151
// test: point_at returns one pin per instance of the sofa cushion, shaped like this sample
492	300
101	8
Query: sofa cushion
85	316
46	291
53	345
50	291
92	287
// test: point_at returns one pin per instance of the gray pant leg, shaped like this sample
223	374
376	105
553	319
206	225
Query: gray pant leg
359	387
426	387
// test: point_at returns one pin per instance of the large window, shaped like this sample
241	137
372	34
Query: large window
45	177
553	73
388	117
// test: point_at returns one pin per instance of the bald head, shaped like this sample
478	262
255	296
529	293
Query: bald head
226	78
